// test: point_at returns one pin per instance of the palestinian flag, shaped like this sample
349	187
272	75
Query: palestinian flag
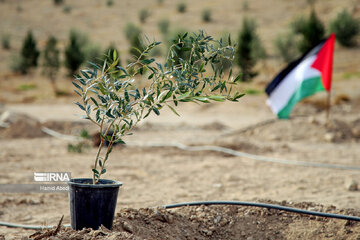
305	76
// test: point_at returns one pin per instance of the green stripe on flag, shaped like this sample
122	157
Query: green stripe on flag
308	87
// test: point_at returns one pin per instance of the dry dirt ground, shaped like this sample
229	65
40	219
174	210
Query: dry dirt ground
156	176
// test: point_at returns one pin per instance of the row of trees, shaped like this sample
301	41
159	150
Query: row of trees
77	52
304	34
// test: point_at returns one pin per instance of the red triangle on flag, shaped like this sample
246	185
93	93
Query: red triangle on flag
324	61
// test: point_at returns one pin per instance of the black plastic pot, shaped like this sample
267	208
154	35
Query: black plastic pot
92	205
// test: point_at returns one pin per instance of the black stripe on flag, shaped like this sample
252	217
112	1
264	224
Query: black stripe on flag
277	80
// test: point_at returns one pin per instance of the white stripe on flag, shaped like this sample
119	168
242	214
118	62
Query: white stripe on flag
281	95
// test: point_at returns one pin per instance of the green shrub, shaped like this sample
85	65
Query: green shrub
134	36
109	3
92	52
311	3
67	9
182	50
163	25
312	31
224	63
346	28
82	145
181	7
74	54
26	86
245	5
18	65
136	45
285	46
58	2
5	41
156	51
29	52
51	59
249	49
131	30
143	15
206	15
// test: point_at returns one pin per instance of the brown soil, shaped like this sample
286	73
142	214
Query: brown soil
155	176
221	222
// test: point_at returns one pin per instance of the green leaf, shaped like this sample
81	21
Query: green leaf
103	100
78	93
238	78
95	171
80	106
236	96
120	141
156	111
85	74
137	94
173	110
230	73
88	109
113	96
167	96
148	113
147	61
126	94
185	49
202	99
108	113
114	55
183	96
103	171
77	86
100	163
94	101
217	98
98	119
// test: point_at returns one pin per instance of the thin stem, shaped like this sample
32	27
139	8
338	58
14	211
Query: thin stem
100	147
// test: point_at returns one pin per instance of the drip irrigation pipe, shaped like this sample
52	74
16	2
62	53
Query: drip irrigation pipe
247	155
34	227
218	149
265	205
208	203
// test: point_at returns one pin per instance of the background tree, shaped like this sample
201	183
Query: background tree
134	36
285	46
51	61
181	51
74	56
249	49
29	52
346	28
312	31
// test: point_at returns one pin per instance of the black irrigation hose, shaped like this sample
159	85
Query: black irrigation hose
207	203
265	205
34	227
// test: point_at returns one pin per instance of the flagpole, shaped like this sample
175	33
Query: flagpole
328	105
